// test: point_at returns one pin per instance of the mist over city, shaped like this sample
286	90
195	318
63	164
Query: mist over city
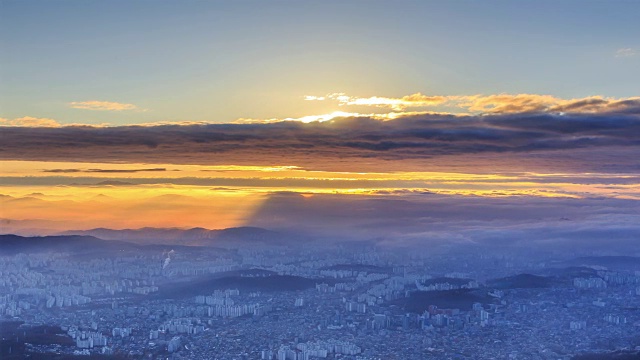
299	180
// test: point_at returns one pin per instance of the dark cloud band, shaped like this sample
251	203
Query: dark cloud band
108	171
408	138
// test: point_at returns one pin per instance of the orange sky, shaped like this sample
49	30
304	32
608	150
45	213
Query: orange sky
57	196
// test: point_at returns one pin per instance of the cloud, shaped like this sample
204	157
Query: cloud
102	105
63	171
304	119
28	121
337	115
489	104
394	183
498	132
103	170
605	142
421	219
626	52
529	103
414	100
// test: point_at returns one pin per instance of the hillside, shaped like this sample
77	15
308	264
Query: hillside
524	281
14	244
193	236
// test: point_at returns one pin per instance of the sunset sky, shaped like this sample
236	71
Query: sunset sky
317	114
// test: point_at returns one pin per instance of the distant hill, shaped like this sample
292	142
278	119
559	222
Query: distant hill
571	272
611	262
442	280
14	244
194	236
83	246
524	281
254	234
358	267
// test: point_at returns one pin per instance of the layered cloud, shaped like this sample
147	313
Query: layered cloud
102	105
602	141
412	169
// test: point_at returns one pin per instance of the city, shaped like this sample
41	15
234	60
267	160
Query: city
342	301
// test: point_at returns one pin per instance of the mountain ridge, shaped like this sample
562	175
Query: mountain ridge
179	236
11	244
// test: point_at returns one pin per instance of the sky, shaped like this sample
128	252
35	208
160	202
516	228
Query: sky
129	114
219	61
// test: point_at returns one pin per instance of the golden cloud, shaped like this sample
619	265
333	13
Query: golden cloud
532	103
489	104
414	100
29	121
336	115
102	105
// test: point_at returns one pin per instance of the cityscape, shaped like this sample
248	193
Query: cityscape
341	300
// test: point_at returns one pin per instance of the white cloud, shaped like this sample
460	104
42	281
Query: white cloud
626	52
